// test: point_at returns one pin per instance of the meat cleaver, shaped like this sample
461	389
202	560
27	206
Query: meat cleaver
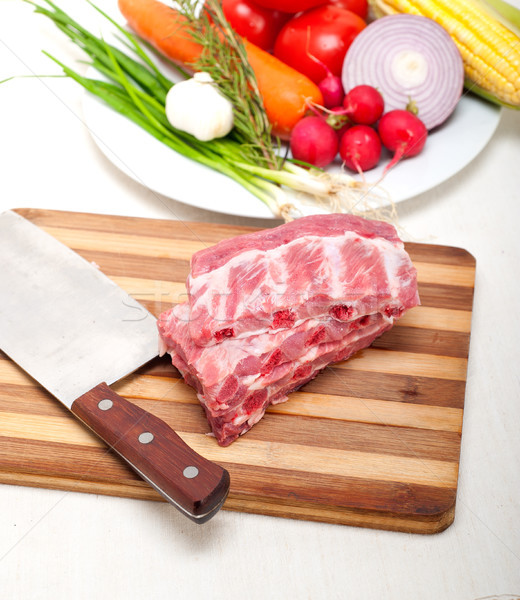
76	332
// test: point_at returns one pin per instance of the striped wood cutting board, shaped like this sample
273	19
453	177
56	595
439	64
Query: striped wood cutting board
373	441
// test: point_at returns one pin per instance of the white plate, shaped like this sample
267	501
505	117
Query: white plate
146	160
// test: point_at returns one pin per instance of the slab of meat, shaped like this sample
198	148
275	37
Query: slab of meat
324	266
267	311
237	380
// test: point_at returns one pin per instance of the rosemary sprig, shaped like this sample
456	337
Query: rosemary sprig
224	57
133	87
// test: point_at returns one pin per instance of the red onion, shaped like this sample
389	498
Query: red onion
412	61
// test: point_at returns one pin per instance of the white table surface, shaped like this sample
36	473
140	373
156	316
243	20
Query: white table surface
57	544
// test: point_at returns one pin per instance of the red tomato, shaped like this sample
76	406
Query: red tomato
360	7
257	24
290	6
325	33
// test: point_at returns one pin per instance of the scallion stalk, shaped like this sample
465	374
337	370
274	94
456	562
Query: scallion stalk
135	88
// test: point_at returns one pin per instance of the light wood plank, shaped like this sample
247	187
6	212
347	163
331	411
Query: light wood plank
440	319
120	243
377	412
292	457
12	374
445	274
47	428
183	249
406	363
295	457
307	404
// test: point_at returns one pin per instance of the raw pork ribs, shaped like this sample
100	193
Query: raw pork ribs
268	311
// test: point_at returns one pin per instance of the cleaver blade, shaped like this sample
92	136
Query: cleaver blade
76	332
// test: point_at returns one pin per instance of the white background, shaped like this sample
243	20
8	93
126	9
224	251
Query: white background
68	545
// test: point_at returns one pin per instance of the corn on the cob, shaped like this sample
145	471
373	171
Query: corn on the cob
490	51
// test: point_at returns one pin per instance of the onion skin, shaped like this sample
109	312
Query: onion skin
484	31
374	55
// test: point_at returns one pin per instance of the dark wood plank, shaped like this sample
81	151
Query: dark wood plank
84	463
425	341
393	497
386	386
440	255
30	401
103	465
361	437
446	296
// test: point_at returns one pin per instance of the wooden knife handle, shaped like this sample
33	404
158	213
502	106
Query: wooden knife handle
195	485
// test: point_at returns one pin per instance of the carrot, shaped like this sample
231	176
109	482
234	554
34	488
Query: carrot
285	91
163	27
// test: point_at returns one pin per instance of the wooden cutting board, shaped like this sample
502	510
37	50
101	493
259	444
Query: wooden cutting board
372	442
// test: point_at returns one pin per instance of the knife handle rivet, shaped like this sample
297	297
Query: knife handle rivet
190	472
105	404
146	437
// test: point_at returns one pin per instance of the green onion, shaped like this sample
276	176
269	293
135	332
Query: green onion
135	88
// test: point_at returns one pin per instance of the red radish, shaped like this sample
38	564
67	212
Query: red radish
402	133
330	86
314	141
364	104
360	148
331	89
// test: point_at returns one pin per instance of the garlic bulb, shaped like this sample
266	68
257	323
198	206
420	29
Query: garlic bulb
197	107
